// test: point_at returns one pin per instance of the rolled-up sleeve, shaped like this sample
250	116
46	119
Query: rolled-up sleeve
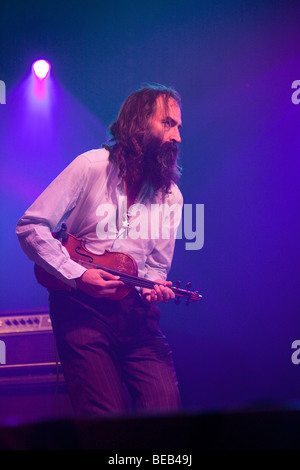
51	208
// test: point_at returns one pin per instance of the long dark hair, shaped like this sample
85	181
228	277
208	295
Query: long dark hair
129	130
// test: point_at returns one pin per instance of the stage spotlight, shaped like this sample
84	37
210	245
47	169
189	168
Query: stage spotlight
41	69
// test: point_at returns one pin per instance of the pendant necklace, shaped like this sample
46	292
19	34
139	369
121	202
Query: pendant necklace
127	213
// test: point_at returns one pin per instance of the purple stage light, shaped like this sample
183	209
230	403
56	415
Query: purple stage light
41	69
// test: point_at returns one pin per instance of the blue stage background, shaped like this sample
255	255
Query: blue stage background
234	63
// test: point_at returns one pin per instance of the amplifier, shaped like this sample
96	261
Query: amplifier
27	337
32	386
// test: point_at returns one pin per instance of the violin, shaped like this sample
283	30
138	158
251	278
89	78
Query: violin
117	263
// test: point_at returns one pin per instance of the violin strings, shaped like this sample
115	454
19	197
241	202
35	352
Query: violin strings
128	277
135	280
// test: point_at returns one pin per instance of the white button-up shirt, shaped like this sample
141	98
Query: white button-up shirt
89	197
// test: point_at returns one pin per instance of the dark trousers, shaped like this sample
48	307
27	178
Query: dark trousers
105	345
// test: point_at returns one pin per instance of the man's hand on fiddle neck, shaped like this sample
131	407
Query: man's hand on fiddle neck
159	293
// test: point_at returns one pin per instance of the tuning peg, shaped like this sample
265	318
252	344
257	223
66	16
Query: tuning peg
188	286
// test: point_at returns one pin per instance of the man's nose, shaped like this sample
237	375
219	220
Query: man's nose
175	135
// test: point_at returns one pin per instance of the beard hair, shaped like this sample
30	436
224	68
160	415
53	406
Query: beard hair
159	164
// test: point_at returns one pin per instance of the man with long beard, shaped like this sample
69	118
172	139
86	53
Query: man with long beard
104	344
